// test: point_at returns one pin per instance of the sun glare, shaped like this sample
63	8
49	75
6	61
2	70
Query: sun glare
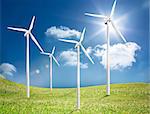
119	23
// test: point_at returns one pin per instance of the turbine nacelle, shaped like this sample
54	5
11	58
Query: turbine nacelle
27	33
78	44
50	55
107	20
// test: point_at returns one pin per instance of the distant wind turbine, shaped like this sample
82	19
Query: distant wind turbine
78	45
108	20
27	33
51	58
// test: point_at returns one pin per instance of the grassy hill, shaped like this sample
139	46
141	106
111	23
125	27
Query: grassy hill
125	99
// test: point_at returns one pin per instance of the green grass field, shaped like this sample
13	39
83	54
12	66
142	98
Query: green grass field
125	99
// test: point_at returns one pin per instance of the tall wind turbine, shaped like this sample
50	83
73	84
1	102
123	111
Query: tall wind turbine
108	21
27	33
51	58
78	45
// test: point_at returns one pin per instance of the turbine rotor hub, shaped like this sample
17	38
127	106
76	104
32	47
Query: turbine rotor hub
107	20
78	44
28	32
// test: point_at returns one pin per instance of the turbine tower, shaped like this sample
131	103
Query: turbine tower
78	45
108	21
51	58
28	34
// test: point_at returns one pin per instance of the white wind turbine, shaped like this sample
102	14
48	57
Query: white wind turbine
27	33
78	45
108	20
51	57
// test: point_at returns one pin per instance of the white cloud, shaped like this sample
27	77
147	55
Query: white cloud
62	32
70	59
89	50
46	66
84	65
7	69
36	72
121	55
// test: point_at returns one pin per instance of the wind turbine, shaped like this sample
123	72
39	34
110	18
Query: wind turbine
27	33
51	58
108	20
78	45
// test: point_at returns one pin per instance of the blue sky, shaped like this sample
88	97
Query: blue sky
131	18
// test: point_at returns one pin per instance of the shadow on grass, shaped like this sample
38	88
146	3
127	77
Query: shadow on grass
105	96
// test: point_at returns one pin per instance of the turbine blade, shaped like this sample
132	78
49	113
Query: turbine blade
53	50
95	15
118	32
82	35
87	54
17	29
44	53
69	41
32	22
113	8
55	60
36	42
